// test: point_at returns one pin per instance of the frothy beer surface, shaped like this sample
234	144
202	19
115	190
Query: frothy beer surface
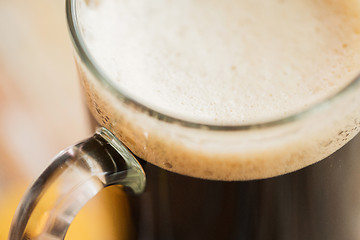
224	63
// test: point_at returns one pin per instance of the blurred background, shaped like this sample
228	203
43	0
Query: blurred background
41	111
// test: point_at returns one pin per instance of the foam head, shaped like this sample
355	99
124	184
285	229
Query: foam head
225	63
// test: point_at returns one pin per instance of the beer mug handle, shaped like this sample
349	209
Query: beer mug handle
75	176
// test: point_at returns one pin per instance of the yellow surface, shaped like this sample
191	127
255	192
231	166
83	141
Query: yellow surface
107	216
8	204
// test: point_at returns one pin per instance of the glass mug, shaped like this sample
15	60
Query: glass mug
250	186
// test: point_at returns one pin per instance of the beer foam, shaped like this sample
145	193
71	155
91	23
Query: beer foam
225	62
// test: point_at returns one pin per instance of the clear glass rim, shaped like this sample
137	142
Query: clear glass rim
86	58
